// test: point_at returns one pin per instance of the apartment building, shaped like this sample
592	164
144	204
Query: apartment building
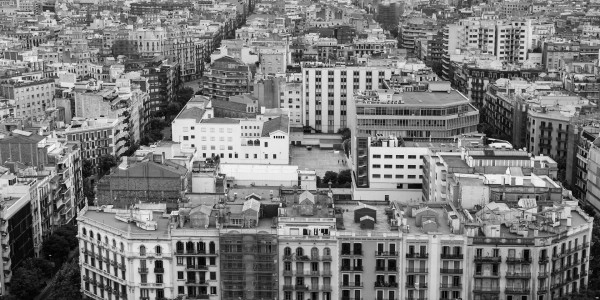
413	29
291	101
548	123
308	247
227	76
472	157
98	137
232	131
297	245
581	77
584	134
592	196
329	93
32	97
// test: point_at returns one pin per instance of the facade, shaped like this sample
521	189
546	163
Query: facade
226	129
389	250
592	196
329	93
32	97
98	137
413	29
583	137
227	77
149	180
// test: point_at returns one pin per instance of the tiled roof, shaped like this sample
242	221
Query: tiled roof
280	123
228	105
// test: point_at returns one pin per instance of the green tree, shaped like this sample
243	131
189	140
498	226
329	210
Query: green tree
330	176
106	162
69	233
184	95
56	248
87	168
345	132
39	265
26	284
344	177
67	284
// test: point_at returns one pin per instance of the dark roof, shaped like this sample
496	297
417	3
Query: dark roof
192	113
150	169
280	123
18	138
221	120
228	105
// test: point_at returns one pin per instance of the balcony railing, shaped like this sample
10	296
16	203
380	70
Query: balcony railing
518	275
517	290
159	270
416	285
356	252
450	286
386	284
352	268
416	270
487	274
143	270
488	259
386	253
451	256
352	284
486	289
451	271
518	260
417	255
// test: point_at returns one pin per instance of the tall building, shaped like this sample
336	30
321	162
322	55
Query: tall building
409	31
227	77
98	137
329	90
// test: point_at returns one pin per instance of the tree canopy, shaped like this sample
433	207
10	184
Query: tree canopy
67	283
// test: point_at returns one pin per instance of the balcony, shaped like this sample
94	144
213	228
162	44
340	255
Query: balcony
486	290
300	287
143	270
356	252
451	271
451	256
517	290
450	286
386	253
326	257
159	270
381	284
518	260
351	284
544	260
326	288
416	270
517	275
352	268
487	275
196	282
488	259
416	298
287	273
417	255
384	269
288	287
416	285
543	274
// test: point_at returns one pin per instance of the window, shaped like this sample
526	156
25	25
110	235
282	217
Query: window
412	156
158	250
387	166
399	156
376	156
412	166
142	250
376	176
376	166
159	278
388	156
180	275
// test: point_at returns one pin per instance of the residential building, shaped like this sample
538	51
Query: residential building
232	131
548	123
227	77
584	134
581	77
409	31
329	90
98	137
592	196
153	179
32	97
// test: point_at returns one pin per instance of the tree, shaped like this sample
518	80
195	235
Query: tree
87	168
330	176
42	266
56	248
106	162
347	144
344	177
184	95
69	233
67	284
345	132
25	283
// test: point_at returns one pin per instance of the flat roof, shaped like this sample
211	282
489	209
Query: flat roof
108	220
425	99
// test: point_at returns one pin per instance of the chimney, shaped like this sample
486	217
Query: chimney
163	158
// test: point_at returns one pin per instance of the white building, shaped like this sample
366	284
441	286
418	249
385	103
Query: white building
253	139
329	91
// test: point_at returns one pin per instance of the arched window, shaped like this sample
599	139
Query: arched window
142	250
314	252
212	248
250	143
189	247
326	251
179	247
256	143
122	247
98	237
158	250
201	247
83	231
106	240
91	234
287	251
299	251
114	243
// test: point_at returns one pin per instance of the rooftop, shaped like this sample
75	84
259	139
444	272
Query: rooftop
420	99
